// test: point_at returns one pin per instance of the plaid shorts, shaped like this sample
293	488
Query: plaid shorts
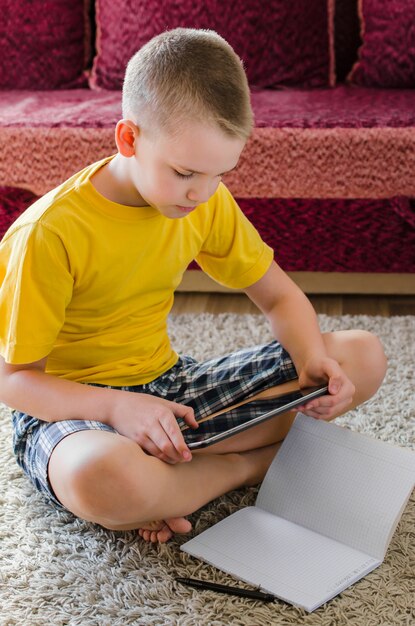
207	387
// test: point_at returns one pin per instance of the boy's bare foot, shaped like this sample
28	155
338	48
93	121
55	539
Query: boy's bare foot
256	464
162	530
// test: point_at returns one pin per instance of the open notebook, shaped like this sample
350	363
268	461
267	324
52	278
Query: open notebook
323	518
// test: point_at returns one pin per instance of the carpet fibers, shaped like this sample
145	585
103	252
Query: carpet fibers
58	570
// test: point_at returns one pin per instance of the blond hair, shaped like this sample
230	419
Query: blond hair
187	74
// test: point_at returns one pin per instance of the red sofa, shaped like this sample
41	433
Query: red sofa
327	177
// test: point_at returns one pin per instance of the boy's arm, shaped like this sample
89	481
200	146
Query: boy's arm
294	324
148	420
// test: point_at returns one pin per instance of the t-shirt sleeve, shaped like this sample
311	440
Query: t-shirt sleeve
233	253
35	288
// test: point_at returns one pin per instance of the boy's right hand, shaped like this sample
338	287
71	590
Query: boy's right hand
151	422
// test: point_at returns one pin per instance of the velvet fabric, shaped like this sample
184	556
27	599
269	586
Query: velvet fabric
342	107
13	202
332	235
336	235
348	142
387	55
44	44
281	43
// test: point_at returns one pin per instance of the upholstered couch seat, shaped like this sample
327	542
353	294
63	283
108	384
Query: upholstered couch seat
346	142
328	174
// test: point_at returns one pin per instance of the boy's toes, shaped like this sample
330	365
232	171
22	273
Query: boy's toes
179	524
163	535
161	531
149	531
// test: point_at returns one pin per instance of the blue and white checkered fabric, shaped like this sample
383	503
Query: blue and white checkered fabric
207	387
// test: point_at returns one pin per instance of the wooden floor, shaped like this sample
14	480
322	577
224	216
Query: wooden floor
330	304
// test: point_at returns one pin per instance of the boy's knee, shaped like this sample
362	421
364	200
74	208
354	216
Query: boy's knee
361	354
95	486
371	359
372	351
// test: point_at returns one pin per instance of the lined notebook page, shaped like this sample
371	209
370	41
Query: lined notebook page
323	517
294	563
339	483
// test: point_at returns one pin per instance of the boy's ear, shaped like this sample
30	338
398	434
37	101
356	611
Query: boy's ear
126	133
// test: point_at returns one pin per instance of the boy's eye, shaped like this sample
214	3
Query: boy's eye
180	175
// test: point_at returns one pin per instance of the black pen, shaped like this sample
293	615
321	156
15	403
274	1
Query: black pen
233	591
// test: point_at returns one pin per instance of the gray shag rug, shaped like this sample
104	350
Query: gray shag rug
58	570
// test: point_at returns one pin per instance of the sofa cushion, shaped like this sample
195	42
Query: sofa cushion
342	107
323	143
45	44
387	55
337	235
13	202
281	43
307	235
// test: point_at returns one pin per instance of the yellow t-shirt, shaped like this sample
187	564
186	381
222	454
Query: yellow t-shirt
90	282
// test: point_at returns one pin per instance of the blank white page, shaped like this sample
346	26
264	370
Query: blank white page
291	562
339	483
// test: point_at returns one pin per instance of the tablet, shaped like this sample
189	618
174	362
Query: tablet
271	407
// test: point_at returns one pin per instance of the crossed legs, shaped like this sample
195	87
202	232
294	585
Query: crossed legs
108	479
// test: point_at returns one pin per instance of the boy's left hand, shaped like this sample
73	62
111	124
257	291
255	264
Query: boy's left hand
341	389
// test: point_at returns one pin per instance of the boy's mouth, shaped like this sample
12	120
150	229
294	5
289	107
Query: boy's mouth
185	209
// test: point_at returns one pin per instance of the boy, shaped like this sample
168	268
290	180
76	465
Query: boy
87	279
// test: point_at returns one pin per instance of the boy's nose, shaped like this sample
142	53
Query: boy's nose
196	197
200	194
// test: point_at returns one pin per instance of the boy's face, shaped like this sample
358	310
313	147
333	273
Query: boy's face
174	174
